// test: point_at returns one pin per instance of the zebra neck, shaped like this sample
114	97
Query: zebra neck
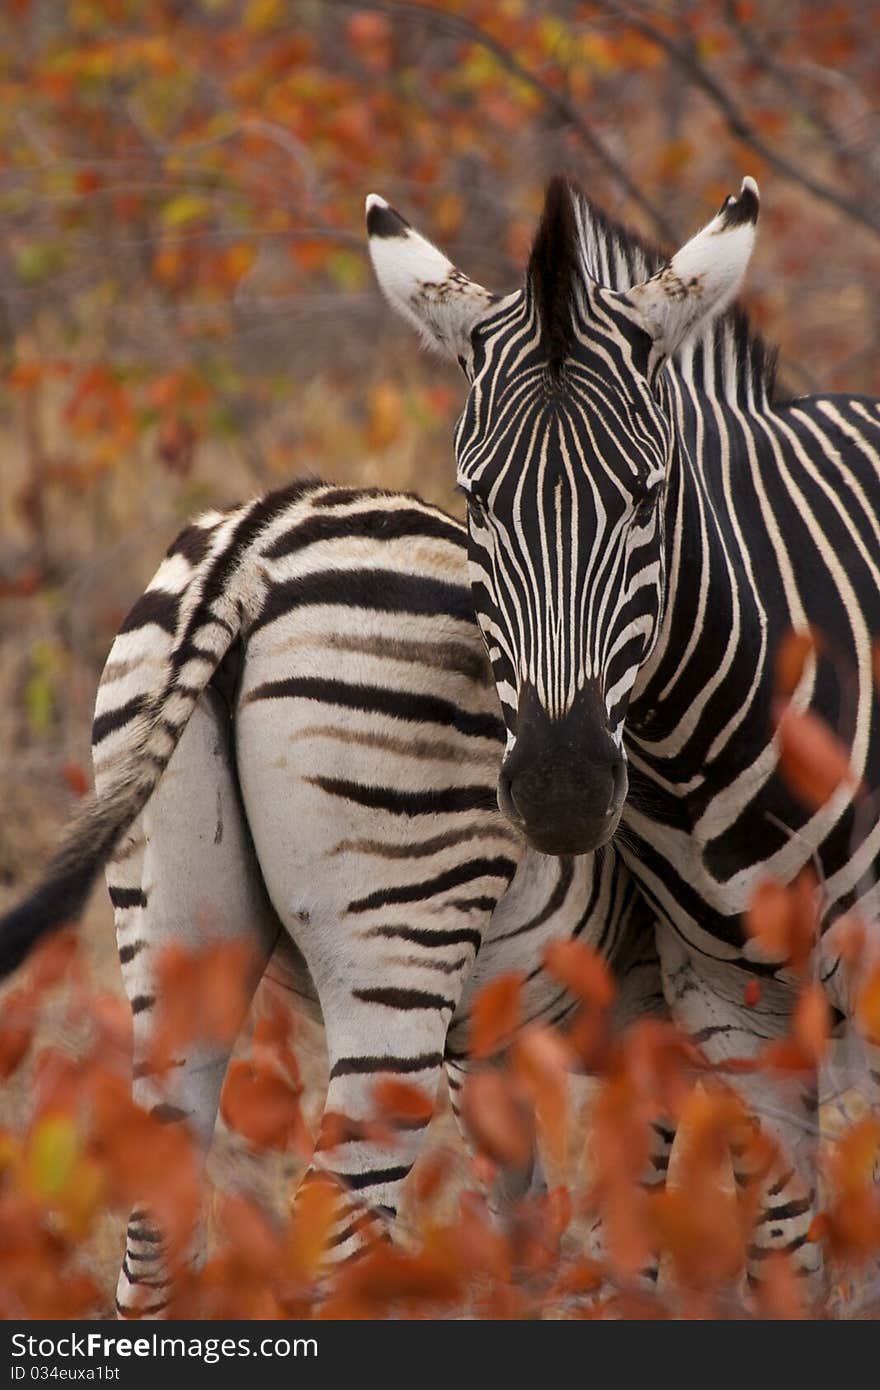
712	634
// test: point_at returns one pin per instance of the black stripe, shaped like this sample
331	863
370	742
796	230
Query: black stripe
127	953
797	1207
444	967
379	525
395	998
711	1030
374	1176
782	1182
127	897
423	936
141	1002
377	699
402	1066
116	718
498	867
168	1113
258	516
144	1235
139	1279
154	606
383	591
137	1311
354	1228
553	903
193	544
445	801
763	1252
484	904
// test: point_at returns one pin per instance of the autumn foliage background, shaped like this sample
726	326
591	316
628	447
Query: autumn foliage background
187	316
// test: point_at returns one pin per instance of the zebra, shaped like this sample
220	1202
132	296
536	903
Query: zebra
647	517
296	738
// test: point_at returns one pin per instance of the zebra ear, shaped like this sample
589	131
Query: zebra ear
701	280
421	284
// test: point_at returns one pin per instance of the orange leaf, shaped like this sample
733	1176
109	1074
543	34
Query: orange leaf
783	918
313	1213
497	1119
752	994
811	1023
582	971
262	1108
402	1105
495	1015
541	1060
250	1233
812	759
868	1007
791	657
54	960
16	1032
75	777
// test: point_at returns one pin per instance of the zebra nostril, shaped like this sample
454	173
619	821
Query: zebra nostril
506	804
619	786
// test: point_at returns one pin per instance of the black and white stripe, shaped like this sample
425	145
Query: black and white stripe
644	528
297	737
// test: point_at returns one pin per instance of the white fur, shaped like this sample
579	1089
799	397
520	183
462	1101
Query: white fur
700	282
426	288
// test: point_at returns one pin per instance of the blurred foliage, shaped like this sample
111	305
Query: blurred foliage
185	306
187	315
81	1148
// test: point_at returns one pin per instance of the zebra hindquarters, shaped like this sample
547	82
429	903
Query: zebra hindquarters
184	874
706	997
372	809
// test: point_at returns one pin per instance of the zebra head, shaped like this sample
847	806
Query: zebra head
563	451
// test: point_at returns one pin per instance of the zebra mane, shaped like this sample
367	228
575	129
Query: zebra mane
728	359
555	259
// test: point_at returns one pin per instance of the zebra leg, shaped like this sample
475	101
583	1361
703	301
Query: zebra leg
509	1185
186	873
706	998
636	968
384	1032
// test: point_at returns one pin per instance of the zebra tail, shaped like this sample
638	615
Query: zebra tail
134	741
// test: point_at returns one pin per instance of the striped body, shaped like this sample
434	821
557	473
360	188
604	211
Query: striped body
342	794
644	528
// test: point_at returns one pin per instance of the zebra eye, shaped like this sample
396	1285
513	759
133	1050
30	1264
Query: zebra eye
476	506
644	507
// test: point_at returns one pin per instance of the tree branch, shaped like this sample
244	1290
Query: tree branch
736	121
470	32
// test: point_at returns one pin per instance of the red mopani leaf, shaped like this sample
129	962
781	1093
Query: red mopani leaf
75	777
402	1105
811	1023
752	994
812	759
581	970
541	1061
792	655
868	1007
17	1026
498	1119
263	1108
783	918
495	1015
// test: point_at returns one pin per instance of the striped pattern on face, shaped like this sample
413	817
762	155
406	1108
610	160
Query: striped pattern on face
563	475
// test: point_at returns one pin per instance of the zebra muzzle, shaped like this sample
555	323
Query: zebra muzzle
564	783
